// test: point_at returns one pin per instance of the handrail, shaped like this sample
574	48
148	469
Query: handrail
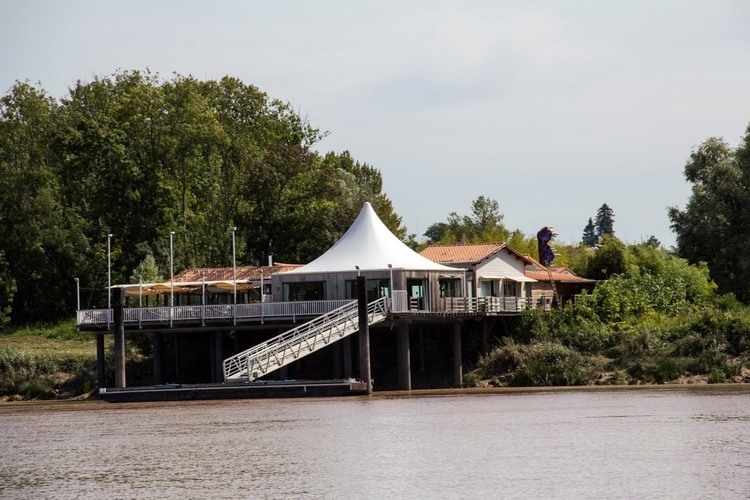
266	310
253	310
272	354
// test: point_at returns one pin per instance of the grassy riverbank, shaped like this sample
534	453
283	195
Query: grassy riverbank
46	363
709	344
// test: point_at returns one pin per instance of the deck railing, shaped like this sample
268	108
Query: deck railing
172	314
258	311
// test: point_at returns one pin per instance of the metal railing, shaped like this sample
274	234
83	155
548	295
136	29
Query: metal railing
171	314
301	341
258	311
491	305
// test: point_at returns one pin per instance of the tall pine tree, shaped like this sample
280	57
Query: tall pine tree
605	220
590	237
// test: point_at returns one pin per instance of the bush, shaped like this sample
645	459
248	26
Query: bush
538	364
44	377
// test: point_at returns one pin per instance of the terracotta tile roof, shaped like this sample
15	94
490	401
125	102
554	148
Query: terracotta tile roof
251	273
460	253
559	273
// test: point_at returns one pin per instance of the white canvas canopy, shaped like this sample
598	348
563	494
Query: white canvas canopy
369	245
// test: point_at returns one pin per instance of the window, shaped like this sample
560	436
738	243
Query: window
450	287
376	289
313	290
509	288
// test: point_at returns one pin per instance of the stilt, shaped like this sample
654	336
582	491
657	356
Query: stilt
458	373
218	361
158	355
364	334
338	364
119	339
100	375
485	335
346	344
403	357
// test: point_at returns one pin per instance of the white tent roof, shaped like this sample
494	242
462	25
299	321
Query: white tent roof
370	245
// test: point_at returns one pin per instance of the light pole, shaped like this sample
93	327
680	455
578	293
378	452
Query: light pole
140	299
140	291
78	294
234	265
109	277
171	269
109	271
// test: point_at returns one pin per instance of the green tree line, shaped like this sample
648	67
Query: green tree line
139	157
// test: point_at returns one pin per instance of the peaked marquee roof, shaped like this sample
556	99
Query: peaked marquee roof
369	244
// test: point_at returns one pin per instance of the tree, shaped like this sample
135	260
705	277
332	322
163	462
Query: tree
590	237
609	259
485	224
713	227
605	219
137	157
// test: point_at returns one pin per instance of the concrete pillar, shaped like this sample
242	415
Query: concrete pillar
458	373
158	355
119	338
485	335
403	355
218	361
338	366
364	334
346	344
100	375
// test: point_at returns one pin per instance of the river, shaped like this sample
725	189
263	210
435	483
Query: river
622	443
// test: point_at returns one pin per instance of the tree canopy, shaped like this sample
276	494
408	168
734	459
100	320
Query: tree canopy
138	157
712	228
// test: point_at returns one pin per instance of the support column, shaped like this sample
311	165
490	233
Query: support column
218	361
346	344
485	335
100	375
119	339
403	354
158	355
458	372
364	334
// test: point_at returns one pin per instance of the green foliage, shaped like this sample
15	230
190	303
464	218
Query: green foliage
590	238
137	157
609	259
605	221
538	364
712	227
45	376
484	225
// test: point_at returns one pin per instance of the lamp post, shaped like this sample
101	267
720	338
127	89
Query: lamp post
140	299
234	265
171	269
109	277
109	271
78	294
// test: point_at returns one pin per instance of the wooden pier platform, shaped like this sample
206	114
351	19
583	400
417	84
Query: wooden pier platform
235	390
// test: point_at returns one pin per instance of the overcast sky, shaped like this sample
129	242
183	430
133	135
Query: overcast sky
552	108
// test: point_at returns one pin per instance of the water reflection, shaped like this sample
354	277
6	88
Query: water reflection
558	444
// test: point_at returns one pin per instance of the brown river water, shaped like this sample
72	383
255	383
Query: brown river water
625	443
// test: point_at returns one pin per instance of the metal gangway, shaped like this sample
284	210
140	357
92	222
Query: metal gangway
298	342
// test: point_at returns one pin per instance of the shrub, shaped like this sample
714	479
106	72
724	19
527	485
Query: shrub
538	364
